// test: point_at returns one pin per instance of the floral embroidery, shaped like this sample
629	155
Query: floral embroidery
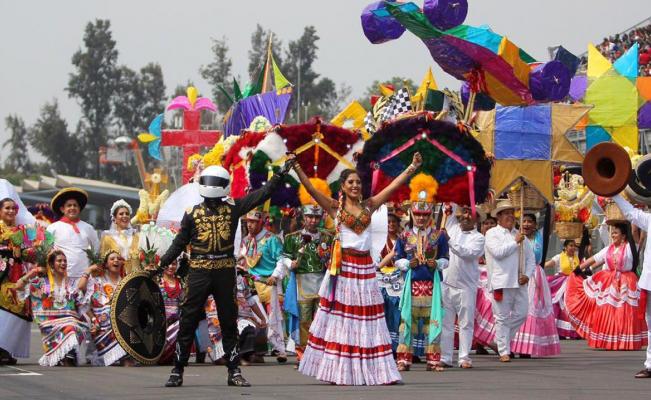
356	223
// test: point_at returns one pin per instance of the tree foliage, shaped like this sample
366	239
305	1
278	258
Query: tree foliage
94	84
218	73
18	159
61	148
258	50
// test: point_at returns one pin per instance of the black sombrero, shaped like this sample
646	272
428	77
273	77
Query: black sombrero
68	193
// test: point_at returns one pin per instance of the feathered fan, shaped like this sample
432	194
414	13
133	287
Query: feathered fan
451	157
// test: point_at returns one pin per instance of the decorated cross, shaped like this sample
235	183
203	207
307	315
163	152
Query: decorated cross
191	137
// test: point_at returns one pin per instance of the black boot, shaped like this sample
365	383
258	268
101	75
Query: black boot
235	378
176	378
201	357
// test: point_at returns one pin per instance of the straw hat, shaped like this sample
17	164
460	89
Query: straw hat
502	204
64	195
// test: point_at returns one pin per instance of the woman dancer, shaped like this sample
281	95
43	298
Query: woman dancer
172	290
55	303
607	308
15	314
349	343
564	263
391	280
537	337
100	293
121	237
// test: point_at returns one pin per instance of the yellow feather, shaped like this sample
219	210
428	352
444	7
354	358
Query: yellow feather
320	185
423	183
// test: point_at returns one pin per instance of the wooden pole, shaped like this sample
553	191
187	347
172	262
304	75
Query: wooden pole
266	64
470	106
521	260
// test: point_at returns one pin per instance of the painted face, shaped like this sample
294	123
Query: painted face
466	220
60	264
394	225
421	220
70	209
487	224
114	263
352	186
254	226
122	217
312	222
529	226
570	249
506	219
8	212
617	236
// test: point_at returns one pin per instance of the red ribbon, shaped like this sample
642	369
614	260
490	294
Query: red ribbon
423	136
71	222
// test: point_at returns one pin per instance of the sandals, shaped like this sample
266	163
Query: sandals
403	367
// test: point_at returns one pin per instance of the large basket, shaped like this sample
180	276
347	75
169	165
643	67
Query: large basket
569	230
532	199
613	213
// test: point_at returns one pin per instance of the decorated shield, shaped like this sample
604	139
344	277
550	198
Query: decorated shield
138	317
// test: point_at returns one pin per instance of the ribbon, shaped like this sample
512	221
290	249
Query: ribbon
470	168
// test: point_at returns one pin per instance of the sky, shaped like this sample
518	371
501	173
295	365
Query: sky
40	37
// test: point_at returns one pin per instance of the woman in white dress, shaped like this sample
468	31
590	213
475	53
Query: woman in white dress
121	237
349	342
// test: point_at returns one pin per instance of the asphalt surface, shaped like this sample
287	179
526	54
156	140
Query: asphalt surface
578	373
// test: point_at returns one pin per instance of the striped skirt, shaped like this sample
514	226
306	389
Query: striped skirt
349	343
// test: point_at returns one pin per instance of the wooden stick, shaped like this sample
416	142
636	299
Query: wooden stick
470	106
521	260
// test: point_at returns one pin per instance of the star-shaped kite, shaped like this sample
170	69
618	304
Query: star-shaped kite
526	141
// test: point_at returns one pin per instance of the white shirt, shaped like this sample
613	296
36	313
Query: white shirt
643	221
602	257
74	244
503	258
465	249
351	240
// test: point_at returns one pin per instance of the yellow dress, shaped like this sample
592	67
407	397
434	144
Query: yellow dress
125	243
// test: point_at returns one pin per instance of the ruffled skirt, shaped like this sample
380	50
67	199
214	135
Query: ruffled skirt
349	343
537	336
607	309
484	332
558	288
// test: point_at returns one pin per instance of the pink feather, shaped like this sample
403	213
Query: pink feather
180	102
204	103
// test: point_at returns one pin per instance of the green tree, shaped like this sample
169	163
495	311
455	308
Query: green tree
94	84
319	93
50	137
258	50
218	73
140	97
18	159
398	82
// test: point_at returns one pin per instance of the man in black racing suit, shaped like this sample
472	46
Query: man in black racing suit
209	228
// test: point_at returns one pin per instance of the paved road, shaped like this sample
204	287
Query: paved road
579	373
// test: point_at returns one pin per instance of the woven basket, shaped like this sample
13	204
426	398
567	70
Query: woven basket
613	213
532	199
569	230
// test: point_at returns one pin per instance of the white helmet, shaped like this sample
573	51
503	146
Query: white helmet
214	182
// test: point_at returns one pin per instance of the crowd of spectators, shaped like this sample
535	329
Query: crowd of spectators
614	46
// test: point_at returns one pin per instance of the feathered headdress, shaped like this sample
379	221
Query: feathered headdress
423	189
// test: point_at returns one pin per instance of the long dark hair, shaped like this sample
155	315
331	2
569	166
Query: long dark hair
625	229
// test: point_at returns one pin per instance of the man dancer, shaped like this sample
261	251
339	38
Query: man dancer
507	279
72	235
423	250
459	287
643	221
210	228
259	254
305	253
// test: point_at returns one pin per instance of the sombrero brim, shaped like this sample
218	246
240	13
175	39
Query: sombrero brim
63	195
499	209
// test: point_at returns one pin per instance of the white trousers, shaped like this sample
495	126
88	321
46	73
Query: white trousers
647	363
458	303
509	314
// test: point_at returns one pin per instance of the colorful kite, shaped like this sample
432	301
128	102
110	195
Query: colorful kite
621	99
489	62
526	141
